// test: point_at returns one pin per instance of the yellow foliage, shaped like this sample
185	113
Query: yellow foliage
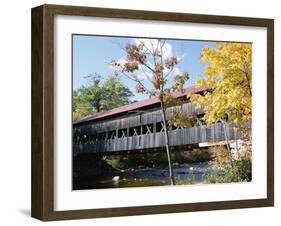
228	75
178	119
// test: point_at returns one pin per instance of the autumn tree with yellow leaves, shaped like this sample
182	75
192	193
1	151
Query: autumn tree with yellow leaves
228	78
228	81
228	98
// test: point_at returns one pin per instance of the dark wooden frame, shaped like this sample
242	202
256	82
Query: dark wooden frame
42	203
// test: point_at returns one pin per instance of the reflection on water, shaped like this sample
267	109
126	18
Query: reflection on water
152	176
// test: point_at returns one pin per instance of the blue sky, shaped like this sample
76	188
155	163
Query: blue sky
92	54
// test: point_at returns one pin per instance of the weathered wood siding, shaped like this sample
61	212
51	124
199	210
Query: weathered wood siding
151	116
142	130
178	137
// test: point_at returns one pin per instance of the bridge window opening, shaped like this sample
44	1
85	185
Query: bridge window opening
174	127
159	127
85	138
200	121
90	139
122	133
102	136
95	137
79	140
75	139
131	132
147	129
134	131
112	134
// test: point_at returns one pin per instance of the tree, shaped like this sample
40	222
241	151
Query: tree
115	94
93	92
80	106
150	64
228	77
99	96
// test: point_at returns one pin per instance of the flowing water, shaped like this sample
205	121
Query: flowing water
184	174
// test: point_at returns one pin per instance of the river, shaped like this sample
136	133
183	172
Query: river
188	173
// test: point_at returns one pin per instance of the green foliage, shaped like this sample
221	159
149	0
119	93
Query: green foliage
81	107
240	171
157	159
99	96
115	93
243	170
115	161
227	169
138	160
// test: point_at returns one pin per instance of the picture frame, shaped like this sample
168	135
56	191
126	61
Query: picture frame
43	82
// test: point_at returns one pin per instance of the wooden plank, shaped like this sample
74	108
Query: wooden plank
135	120
177	137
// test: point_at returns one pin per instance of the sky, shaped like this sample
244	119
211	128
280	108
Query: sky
93	54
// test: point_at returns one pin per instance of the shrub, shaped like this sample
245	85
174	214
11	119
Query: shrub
227	169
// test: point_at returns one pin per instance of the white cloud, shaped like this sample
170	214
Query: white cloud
177	71
180	56
152	44
141	76
167	51
121	61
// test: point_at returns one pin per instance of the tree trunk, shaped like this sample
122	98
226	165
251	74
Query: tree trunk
228	147
167	144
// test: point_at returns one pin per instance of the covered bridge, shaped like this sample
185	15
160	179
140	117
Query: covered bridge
139	127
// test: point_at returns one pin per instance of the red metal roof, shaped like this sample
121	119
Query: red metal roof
136	105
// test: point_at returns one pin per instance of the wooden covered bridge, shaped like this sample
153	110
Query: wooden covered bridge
139	127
